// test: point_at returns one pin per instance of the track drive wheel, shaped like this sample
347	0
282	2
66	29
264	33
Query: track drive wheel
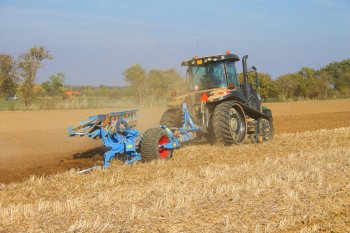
172	118
150	144
229	123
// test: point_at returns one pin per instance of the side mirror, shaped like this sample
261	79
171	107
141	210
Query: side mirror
257	85
251	69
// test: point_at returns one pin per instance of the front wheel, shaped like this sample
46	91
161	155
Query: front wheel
151	142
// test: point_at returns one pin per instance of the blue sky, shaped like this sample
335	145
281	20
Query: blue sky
93	42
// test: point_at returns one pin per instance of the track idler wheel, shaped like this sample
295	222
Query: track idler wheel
265	131
151	142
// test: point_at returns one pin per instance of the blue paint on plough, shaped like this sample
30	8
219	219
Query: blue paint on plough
119	136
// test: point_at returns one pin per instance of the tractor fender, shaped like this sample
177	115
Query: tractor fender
235	95
251	112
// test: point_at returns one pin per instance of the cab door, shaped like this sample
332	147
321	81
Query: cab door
231	74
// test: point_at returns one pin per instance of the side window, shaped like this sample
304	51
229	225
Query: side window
231	75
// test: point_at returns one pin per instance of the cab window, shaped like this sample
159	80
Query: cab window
232	78
208	77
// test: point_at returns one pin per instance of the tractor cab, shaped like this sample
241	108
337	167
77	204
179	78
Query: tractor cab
214	78
212	72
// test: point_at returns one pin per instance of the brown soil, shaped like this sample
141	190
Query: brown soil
36	142
312	122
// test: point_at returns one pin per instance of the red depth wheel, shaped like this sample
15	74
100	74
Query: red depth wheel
163	152
151	145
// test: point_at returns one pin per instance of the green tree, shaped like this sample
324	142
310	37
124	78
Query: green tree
157	85
301	88
29	64
311	81
325	86
267	89
339	74
307	72
8	75
287	85
136	77
54	87
175	83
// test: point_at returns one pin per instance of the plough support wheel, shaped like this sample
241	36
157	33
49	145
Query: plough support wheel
151	145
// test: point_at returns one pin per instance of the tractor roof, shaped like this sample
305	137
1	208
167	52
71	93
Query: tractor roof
214	58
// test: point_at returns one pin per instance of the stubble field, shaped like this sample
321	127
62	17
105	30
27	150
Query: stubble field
299	182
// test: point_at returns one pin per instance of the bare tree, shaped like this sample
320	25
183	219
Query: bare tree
29	64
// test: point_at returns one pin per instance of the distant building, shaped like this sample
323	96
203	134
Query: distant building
71	93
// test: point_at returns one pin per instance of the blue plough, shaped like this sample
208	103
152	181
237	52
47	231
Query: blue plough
119	136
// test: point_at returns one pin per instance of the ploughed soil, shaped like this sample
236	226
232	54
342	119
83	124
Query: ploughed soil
36	142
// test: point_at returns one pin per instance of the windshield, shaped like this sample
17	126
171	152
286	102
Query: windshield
208	77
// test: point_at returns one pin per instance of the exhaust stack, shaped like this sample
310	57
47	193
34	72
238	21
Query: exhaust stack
246	86
245	70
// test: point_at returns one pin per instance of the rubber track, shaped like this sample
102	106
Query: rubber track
221	123
172	118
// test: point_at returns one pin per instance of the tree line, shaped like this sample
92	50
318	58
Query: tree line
330	81
18	76
155	86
